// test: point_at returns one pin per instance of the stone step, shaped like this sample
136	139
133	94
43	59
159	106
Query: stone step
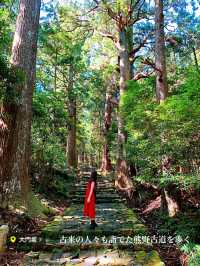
79	188
99	182
99	200
99	190
98	195
102	189
52	245
103	257
86	177
106	200
112	219
120	239
102	186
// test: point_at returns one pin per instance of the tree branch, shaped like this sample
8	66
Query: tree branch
111	13
148	62
108	35
143	75
136	49
132	21
136	3
113	38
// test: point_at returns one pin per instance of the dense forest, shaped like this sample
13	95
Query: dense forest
106	85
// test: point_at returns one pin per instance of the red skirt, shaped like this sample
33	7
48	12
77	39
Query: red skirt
89	208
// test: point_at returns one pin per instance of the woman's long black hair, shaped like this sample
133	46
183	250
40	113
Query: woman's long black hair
93	176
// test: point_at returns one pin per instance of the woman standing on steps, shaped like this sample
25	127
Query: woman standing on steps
90	199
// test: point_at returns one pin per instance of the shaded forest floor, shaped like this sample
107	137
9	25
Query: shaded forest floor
185	224
170	253
23	224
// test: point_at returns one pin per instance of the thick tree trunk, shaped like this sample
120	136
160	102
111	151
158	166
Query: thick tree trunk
55	70
161	78
7	124
106	162
18	142
106	165
124	66
130	49
168	203
71	138
123	179
195	59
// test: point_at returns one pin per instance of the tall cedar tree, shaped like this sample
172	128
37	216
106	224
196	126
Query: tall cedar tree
17	129
124	22
71	150
169	202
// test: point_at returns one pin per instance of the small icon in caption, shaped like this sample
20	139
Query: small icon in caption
13	239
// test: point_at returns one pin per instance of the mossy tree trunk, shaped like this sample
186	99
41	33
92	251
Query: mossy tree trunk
168	203
106	165
17	138
71	138
160	62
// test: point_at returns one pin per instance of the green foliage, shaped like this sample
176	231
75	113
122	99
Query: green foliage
193	251
49	129
62	184
6	15
137	107
185	226
169	128
10	80
62	69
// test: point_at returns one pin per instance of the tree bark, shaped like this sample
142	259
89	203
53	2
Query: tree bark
124	45
71	138
160	63
168	204
7	125
106	162
123	178
18	140
106	165
170	198
130	49
55	69
124	65
195	59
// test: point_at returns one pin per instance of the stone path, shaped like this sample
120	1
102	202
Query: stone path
120	238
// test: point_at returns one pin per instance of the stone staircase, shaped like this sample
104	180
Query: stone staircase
119	238
105	191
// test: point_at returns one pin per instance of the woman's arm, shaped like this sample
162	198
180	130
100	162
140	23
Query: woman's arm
91	191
